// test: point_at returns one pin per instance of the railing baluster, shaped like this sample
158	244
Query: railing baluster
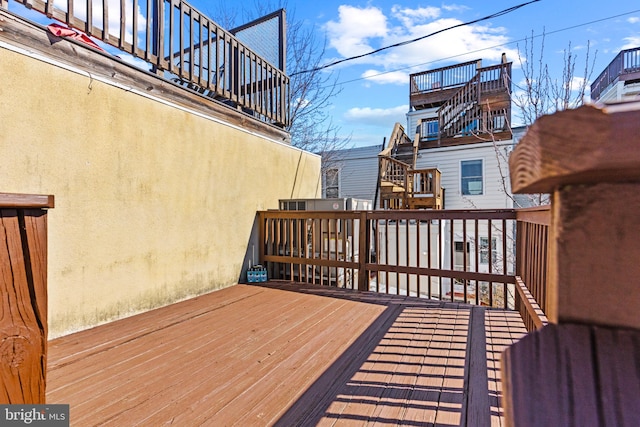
105	19
122	32
429	255
89	26
418	252
465	258
48	10
476	255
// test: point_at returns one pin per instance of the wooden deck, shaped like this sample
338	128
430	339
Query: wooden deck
286	354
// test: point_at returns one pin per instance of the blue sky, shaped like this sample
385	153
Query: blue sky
375	89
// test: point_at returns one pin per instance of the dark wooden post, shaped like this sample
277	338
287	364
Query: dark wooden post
363	252
582	368
23	289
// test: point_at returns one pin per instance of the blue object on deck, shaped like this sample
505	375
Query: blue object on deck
257	273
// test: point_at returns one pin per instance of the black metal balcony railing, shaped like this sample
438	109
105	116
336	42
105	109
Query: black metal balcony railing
181	44
626	62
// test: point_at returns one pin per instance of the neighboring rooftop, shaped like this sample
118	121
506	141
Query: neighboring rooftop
625	68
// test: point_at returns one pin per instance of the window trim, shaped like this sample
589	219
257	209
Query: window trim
337	186
482	177
483	250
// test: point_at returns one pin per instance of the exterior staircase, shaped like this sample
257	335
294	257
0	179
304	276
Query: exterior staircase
473	105
402	186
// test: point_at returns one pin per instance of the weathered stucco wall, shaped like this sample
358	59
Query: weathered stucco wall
153	203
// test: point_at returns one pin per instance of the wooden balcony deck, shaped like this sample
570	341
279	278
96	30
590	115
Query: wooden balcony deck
287	354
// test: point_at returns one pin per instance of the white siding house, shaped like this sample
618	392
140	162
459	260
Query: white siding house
484	164
459	124
352	173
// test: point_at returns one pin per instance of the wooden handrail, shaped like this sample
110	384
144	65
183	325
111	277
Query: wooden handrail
20	201
532	315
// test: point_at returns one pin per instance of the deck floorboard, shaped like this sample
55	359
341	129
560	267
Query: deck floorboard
280	354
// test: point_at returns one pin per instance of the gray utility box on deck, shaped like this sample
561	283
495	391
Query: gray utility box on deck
338	204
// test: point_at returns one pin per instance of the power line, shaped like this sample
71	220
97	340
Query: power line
406	42
490	47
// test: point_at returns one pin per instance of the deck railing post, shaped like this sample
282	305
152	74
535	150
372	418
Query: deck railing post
363	252
588	159
23	289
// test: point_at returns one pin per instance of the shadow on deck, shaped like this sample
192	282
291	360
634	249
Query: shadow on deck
288	354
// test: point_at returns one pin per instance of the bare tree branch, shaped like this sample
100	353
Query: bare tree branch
311	94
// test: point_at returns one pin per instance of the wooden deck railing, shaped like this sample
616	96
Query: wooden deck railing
532	240
424	189
443	78
449	255
23	288
394	171
626	62
183	45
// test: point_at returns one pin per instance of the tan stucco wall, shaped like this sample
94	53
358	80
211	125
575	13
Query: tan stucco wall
153	203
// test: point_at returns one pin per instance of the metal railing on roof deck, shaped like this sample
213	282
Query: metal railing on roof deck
181	44
627	61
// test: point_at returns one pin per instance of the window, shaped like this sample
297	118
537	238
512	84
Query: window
332	183
430	129
471	181
484	250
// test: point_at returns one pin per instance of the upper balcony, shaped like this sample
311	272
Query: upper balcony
180	45
624	67
471	102
433	87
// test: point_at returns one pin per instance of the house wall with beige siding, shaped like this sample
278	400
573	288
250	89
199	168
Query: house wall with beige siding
154	202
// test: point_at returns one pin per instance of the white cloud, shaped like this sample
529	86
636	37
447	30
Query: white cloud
362	30
113	8
350	35
633	20
391	77
410	17
631	42
454	7
384	117
577	83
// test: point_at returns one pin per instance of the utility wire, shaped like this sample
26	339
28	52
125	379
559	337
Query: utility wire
406	42
488	48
